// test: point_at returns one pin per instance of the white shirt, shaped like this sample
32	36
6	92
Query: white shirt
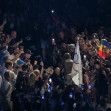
6	89
13	78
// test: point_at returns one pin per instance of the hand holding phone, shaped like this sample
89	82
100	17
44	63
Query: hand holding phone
70	95
74	105
53	41
89	86
41	63
50	80
42	96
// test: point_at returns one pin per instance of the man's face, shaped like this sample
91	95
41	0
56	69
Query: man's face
57	71
8	59
97	66
85	47
16	51
92	61
90	52
10	67
80	42
13	34
72	50
28	55
61	34
73	31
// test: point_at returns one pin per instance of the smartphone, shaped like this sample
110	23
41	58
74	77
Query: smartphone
51	87
89	86
84	57
53	40
49	90
74	105
41	62
70	95
50	80
51	68
62	103
82	87
42	96
52	11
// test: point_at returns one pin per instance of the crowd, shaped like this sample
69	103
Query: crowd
36	59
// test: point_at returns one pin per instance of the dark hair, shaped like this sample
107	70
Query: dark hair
7	64
37	72
36	67
14	48
10	49
108	109
5	58
46	77
97	63
25	67
6	75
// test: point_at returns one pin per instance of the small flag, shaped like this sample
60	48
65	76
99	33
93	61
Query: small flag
104	49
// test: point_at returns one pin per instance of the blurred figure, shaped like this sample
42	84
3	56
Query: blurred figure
61	39
0	76
67	67
6	89
57	78
100	82
9	68
22	82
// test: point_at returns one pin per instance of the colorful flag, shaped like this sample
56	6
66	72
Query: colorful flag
77	67
104	49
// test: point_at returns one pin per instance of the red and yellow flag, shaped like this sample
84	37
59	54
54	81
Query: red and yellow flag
104	49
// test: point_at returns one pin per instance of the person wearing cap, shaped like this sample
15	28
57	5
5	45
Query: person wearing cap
27	55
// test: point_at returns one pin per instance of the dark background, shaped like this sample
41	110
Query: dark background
28	14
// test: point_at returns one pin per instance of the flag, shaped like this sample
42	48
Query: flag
20	62
77	67
104	49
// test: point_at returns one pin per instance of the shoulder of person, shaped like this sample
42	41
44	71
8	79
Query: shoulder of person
8	83
0	77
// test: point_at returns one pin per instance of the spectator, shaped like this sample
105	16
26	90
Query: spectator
6	89
13	77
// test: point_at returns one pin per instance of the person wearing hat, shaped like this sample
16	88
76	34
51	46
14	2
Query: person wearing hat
27	55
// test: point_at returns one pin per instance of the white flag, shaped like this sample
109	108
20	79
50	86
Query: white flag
77	67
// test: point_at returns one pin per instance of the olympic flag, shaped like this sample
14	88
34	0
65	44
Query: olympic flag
77	67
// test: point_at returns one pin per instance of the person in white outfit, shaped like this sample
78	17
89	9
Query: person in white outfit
13	76
6	90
